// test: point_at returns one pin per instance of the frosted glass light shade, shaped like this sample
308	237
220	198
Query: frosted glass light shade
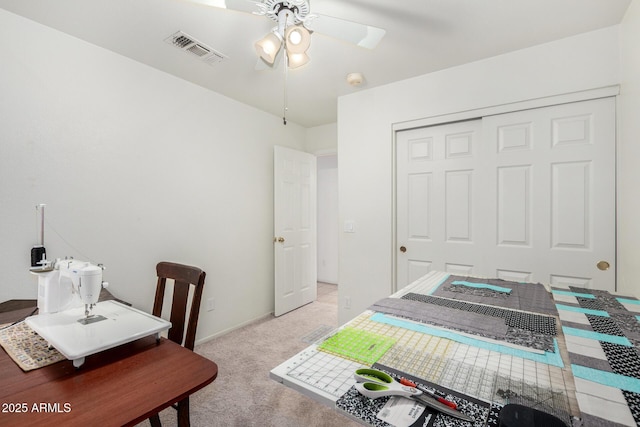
297	39
296	60
268	47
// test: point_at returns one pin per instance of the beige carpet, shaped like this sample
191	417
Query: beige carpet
243	394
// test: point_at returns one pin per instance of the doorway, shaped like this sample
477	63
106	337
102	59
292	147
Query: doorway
328	228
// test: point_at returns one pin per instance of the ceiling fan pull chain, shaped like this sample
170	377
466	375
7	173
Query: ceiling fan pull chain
286	79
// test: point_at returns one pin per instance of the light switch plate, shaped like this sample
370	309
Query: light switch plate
349	226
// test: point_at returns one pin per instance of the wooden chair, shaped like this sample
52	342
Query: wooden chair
184	278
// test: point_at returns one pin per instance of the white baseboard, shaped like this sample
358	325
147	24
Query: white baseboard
233	328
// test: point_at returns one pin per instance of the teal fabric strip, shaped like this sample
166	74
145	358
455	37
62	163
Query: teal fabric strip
638	317
613	339
573	294
628	301
482	286
553	359
435	288
607	378
582	310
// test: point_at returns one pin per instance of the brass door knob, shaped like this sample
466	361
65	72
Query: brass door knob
403	249
281	239
603	265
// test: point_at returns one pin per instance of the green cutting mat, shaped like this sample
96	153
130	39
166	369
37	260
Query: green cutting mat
358	345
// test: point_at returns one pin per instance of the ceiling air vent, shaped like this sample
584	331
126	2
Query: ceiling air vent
192	46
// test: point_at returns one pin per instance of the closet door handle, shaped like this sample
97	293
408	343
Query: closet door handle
403	249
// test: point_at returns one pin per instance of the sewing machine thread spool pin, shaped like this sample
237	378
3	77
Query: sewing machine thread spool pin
38	252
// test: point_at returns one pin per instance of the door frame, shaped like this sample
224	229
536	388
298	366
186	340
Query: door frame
586	95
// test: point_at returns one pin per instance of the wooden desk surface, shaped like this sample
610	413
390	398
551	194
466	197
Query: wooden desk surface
121	386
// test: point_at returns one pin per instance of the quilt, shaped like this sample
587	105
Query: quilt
602	332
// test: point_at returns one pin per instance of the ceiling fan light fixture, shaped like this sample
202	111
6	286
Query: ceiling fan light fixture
297	39
268	47
296	60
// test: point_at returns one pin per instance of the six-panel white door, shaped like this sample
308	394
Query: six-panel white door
438	200
540	186
295	229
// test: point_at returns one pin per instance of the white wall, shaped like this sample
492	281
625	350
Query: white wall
629	154
322	139
328	232
365	121
135	167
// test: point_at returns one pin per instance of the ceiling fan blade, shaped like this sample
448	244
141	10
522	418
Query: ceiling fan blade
363	35
359	34
261	65
248	6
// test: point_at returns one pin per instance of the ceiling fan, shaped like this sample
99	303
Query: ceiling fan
292	35
295	22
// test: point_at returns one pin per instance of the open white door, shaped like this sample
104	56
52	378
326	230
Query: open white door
294	229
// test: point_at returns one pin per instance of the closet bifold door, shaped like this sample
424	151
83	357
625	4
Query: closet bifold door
523	196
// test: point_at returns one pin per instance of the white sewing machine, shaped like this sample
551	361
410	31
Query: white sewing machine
75	332
70	284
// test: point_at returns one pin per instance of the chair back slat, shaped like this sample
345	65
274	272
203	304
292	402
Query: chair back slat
159	299
184	277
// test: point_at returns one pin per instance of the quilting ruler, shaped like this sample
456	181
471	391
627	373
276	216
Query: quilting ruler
481	373
326	372
477	372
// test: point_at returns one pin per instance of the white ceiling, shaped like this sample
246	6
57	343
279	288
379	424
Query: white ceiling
422	36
